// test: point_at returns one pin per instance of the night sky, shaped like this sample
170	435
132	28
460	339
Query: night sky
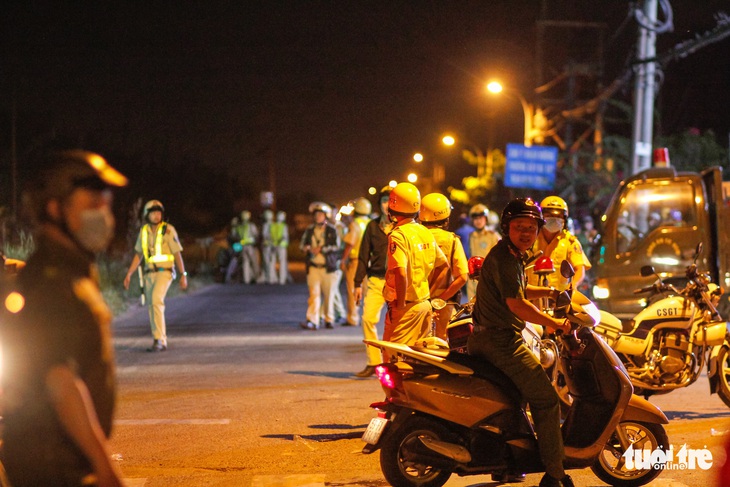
336	96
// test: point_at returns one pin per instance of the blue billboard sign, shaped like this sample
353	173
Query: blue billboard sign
530	167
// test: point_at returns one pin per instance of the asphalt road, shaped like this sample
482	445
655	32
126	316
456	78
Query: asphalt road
245	397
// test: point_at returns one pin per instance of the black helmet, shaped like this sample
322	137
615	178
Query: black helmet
60	172
521	207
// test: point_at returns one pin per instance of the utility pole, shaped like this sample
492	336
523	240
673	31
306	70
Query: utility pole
644	91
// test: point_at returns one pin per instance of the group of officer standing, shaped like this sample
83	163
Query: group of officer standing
260	255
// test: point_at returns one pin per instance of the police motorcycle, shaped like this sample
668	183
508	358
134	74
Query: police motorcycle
447	412
667	344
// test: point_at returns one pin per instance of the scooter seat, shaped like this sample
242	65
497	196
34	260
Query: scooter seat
486	370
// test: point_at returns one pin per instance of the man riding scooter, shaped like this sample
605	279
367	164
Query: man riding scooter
500	313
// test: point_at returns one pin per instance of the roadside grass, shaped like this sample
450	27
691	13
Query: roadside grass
112	270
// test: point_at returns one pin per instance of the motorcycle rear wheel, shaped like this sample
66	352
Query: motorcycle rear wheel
396	455
610	466
723	362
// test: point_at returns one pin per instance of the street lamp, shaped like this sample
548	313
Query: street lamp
439	173
450	140
527	109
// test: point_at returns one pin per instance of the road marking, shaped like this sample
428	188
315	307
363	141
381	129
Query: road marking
136	422
240	340
287	481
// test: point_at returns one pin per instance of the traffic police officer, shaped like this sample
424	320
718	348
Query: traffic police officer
556	242
434	215
279	235
158	249
413	255
481	240
500	313
353	239
248	234
322	245
267	248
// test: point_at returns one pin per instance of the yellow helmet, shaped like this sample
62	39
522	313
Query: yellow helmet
405	199
555	207
362	206
435	207
478	210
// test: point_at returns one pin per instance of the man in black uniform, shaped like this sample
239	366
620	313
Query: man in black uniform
58	381
500	312
371	271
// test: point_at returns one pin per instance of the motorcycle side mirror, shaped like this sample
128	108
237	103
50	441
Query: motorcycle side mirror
647	270
563	300
566	270
438	304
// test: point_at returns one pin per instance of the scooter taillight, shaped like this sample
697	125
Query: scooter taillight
388	375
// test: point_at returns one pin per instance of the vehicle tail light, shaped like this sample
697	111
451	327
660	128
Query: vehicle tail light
389	376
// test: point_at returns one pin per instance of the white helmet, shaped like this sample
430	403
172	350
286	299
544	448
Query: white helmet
320	206
268	215
280	216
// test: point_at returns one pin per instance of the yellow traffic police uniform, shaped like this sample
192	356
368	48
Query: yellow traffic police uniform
480	243
158	247
452	248
411	246
564	246
353	238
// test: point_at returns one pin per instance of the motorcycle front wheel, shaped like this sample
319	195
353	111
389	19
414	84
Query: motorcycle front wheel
723	362
400	459
611	466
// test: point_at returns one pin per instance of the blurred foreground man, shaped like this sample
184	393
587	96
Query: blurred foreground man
58	381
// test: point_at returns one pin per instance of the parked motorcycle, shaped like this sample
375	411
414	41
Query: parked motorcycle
447	412
667	345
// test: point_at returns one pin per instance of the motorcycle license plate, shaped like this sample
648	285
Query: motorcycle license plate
374	430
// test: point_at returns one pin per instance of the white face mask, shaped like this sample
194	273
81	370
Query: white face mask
96	230
554	225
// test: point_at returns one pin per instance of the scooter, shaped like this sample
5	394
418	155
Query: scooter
542	345
447	412
667	345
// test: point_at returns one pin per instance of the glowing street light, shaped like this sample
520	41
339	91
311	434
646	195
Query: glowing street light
418	157
448	140
412	177
496	87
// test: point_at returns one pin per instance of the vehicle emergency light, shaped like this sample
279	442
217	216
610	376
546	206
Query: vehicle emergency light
661	157
544	265
475	266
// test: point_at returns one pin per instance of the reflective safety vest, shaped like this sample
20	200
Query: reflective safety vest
158	257
247	237
362	222
276	230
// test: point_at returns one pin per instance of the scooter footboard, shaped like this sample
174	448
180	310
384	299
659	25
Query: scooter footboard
639	409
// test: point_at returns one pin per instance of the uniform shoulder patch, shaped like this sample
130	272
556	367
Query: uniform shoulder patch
392	247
